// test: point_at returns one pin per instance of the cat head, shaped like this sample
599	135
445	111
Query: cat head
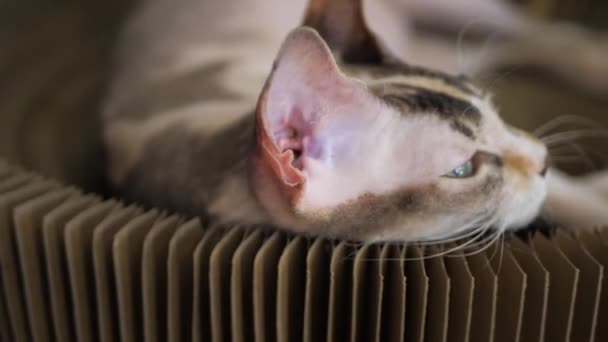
361	146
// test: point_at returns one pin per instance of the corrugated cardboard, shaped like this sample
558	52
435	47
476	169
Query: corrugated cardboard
78	237
180	279
154	278
29	217
536	292
127	250
105	274
461	297
563	279
76	268
416	295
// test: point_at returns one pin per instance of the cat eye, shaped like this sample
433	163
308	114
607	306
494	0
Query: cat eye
463	171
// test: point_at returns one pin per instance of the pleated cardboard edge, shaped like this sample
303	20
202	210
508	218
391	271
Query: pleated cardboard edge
78	237
154	278
127	258
105	278
9	263
114	272
180	269
28	219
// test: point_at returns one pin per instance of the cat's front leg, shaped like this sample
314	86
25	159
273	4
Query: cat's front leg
577	202
597	181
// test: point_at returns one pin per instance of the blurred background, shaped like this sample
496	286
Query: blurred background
56	58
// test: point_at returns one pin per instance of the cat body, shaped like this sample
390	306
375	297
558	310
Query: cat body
226	109
187	83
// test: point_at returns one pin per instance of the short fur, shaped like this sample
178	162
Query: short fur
346	139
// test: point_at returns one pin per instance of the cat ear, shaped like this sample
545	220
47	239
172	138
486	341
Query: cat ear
342	25
305	95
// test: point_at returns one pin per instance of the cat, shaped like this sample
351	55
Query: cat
234	111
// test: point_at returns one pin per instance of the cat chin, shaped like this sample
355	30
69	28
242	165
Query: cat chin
521	209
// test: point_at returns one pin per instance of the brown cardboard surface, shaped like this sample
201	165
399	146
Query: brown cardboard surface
290	291
201	316
127	257
82	269
317	291
436	327
562	289
416	295
461	297
28	228
367	295
536	294
154	278
484	298
9	263
180	274
339	292
241	287
78	236
103	264
219	283
362	259
599	251
393	303
57	264
373	293
588	289
511	295
265	279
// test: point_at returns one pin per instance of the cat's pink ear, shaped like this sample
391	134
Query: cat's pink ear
304	92
305	55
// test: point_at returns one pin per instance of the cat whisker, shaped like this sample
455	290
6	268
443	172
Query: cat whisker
500	246
459	42
488	243
442	253
569	136
475	233
502	251
580	152
466	233
481	243
578	148
496	77
466	244
488	238
562	120
462	67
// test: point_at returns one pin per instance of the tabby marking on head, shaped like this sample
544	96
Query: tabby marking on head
345	140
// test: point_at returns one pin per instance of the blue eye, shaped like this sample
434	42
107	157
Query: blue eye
463	171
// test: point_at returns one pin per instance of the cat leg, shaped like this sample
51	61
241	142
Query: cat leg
569	51
597	181
577	202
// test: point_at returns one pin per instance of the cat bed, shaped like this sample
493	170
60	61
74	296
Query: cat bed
75	267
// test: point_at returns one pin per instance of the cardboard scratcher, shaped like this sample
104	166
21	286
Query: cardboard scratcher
77	268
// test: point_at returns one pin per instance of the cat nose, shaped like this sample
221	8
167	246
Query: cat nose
545	167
